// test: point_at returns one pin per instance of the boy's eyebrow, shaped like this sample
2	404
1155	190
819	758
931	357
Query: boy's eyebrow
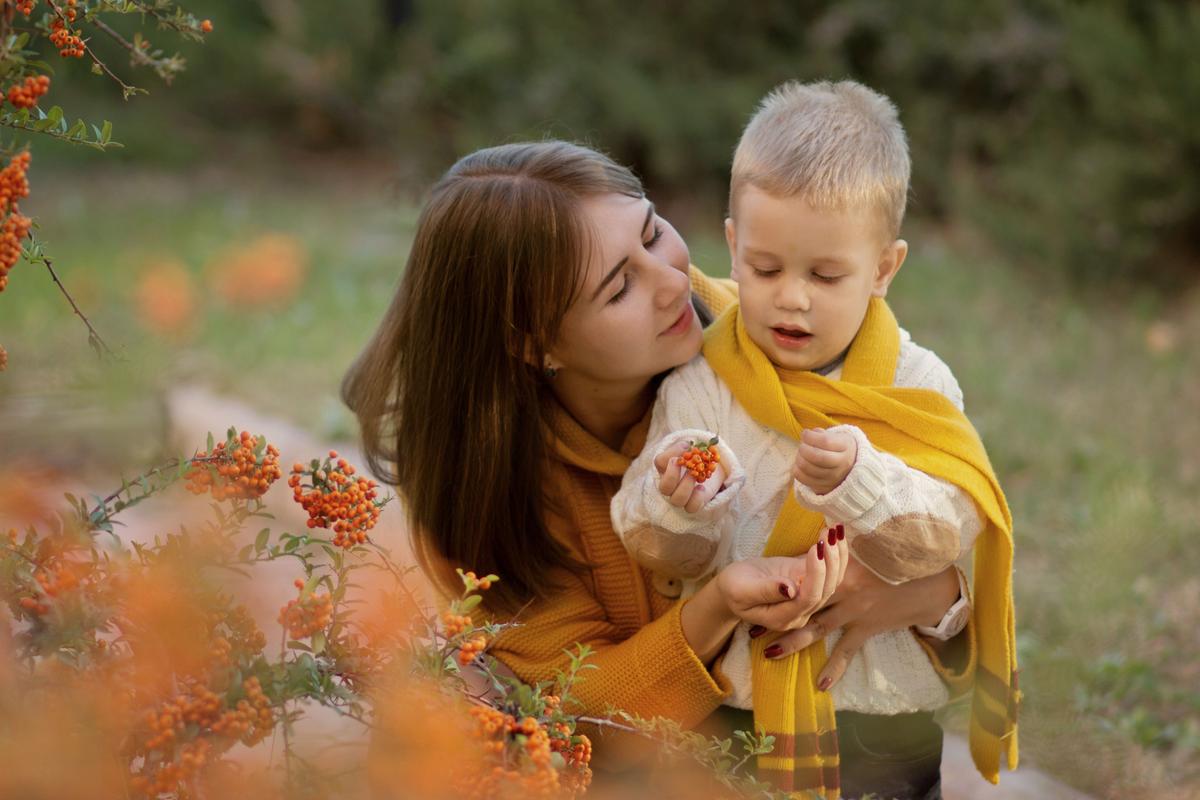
612	273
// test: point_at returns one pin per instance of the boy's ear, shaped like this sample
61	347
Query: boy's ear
731	240
890	261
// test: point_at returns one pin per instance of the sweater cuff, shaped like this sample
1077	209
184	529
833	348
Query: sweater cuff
859	492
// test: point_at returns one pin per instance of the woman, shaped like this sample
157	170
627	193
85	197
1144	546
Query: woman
506	391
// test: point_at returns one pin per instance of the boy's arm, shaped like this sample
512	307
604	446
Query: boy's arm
903	523
663	537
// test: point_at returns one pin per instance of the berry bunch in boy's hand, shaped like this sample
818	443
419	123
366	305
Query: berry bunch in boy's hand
701	459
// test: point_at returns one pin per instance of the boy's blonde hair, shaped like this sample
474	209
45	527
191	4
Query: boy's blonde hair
837	145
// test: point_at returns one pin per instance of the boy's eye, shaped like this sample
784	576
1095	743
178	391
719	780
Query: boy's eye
765	272
827	278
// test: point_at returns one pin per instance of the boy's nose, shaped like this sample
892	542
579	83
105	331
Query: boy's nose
793	294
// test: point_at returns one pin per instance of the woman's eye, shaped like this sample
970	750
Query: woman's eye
658	232
616	298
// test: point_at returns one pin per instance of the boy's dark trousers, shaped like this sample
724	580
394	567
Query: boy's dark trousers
889	757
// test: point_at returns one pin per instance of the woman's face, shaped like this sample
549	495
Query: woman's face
633	318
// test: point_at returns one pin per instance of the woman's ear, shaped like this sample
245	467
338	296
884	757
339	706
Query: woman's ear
890	261
547	365
731	240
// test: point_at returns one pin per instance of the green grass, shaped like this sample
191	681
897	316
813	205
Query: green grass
1095	436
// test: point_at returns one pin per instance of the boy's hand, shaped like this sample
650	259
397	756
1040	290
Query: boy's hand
824	459
678	485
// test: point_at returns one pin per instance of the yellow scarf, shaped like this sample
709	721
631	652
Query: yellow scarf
928	433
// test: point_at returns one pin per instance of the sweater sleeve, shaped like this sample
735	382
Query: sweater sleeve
664	538
653	672
902	523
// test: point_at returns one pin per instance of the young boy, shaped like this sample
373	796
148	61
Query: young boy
827	415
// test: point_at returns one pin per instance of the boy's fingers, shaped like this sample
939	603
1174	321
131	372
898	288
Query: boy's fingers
663	459
819	457
683	491
824	440
669	480
697	500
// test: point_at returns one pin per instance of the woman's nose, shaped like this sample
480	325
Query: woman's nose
670	284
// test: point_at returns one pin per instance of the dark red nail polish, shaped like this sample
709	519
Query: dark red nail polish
821	550
757	631
773	651
785	590
825	683
832	537
841	532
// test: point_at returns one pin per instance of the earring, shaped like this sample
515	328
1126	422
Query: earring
549	372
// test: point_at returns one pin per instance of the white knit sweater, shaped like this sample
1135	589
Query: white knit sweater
900	523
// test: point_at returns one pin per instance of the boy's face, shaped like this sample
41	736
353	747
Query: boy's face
805	276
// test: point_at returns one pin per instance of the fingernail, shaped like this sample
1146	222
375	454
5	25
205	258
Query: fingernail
832	537
825	683
841	532
821	550
757	631
785	590
774	651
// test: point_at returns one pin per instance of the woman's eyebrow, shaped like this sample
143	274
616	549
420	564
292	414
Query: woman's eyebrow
612	273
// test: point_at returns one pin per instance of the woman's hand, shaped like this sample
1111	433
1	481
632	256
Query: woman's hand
782	593
865	606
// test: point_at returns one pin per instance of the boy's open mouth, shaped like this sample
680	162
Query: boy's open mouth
791	337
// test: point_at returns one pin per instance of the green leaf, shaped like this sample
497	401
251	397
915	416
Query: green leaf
55	114
469	603
244	553
260	541
77	130
318	642
106	132
211	444
291	545
294	645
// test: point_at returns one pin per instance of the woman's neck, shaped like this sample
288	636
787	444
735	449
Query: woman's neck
608	410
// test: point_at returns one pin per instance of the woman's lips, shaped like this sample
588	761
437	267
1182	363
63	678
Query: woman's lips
682	324
792	339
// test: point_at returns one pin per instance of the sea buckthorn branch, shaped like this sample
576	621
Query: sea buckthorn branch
97	343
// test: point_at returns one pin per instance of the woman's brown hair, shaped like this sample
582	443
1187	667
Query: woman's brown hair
449	393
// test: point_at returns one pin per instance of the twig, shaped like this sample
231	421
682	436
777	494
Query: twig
93	335
139	56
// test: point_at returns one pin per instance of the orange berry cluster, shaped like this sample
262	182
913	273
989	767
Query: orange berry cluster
14	186
25	6
68	42
529	771
455	623
206	25
305	616
166	779
474	582
26	93
241	474
701	459
472	647
53	581
251	720
335	499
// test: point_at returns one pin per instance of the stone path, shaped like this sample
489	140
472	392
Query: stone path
195	411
